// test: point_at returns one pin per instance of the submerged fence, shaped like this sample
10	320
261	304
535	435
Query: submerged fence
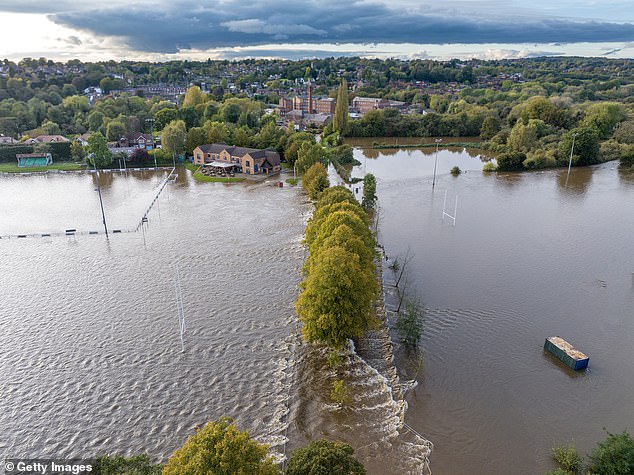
171	178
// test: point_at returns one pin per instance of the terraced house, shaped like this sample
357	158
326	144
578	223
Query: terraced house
250	161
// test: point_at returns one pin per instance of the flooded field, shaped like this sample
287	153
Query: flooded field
91	360
531	255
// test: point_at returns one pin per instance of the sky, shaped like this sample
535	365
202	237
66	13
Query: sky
232	29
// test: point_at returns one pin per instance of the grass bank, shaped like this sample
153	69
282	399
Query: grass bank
202	178
10	168
430	145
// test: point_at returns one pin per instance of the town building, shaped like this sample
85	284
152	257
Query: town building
308	104
250	161
366	104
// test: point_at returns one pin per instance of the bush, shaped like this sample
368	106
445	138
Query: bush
613	456
511	161
340	393
489	167
323	457
455	171
119	465
568	458
8	152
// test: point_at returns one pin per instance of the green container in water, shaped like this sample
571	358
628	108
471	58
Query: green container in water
567	353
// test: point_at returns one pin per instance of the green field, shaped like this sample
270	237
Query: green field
11	168
201	177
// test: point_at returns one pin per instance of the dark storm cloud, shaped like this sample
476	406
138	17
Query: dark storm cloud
170	27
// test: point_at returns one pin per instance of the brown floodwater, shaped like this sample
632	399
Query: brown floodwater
531	255
91	359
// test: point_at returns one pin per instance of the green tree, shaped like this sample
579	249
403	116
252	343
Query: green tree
220	449
195	136
98	153
337	299
77	151
341	117
604	116
216	132
323	212
344	237
315	180
490	127
307	155
369	191
115	130
164	117
586	151
173	137
241	137
322	457
193	97
189	116
624	132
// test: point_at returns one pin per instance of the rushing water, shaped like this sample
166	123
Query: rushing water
531	255
91	360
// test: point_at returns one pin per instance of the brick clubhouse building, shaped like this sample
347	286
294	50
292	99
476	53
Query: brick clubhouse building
250	161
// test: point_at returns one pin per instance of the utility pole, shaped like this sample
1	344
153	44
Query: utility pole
103	214
433	183
572	149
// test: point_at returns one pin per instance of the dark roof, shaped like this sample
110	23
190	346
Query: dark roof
134	136
32	155
213	147
273	157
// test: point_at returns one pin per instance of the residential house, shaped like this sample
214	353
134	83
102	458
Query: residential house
4	140
46	139
136	140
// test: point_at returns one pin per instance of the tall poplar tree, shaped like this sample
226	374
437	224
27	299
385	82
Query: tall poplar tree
340	121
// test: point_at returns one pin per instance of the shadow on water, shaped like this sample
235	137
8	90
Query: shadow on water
626	176
571	373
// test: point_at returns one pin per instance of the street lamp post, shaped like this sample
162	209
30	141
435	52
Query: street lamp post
295	172
433	183
572	149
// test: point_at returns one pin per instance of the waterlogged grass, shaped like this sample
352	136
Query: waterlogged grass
191	167
292	181
10	168
202	178
430	145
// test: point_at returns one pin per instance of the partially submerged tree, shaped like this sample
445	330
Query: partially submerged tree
322	457
220	449
315	180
